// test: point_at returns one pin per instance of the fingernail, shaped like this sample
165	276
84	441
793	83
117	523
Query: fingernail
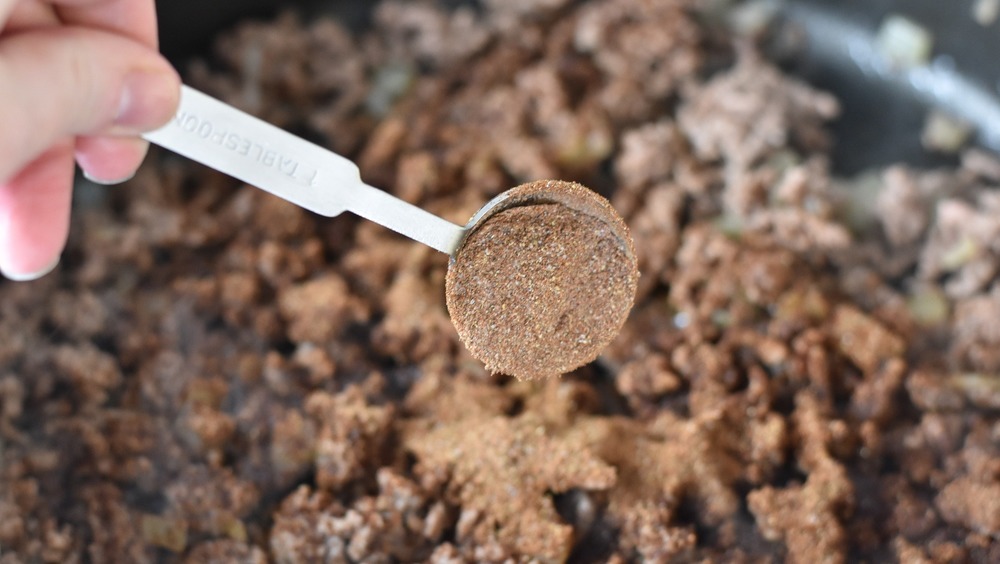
29	276
147	102
107	181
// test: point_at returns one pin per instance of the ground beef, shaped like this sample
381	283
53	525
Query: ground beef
809	372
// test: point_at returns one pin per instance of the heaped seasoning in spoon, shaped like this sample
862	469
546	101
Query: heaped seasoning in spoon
544	281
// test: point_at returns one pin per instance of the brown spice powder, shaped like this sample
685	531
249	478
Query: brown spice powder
544	282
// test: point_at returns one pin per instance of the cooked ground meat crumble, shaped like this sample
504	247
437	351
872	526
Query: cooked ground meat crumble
214	375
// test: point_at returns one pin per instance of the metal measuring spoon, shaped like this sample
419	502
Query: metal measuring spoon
541	278
222	137
543	281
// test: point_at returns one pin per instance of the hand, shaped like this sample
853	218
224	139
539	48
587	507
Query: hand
79	79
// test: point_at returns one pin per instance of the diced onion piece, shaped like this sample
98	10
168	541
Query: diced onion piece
729	224
164	532
905	43
928	306
959	254
945	133
753	18
859	199
981	390
985	12
391	82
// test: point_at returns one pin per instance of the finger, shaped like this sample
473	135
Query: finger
6	8
131	18
70	82
110	160
34	215
29	14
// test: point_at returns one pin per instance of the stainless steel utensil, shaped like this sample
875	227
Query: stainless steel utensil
262	155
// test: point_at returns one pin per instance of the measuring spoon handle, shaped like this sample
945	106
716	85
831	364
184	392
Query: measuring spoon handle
222	137
219	136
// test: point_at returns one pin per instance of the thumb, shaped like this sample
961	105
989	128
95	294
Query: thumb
65	82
